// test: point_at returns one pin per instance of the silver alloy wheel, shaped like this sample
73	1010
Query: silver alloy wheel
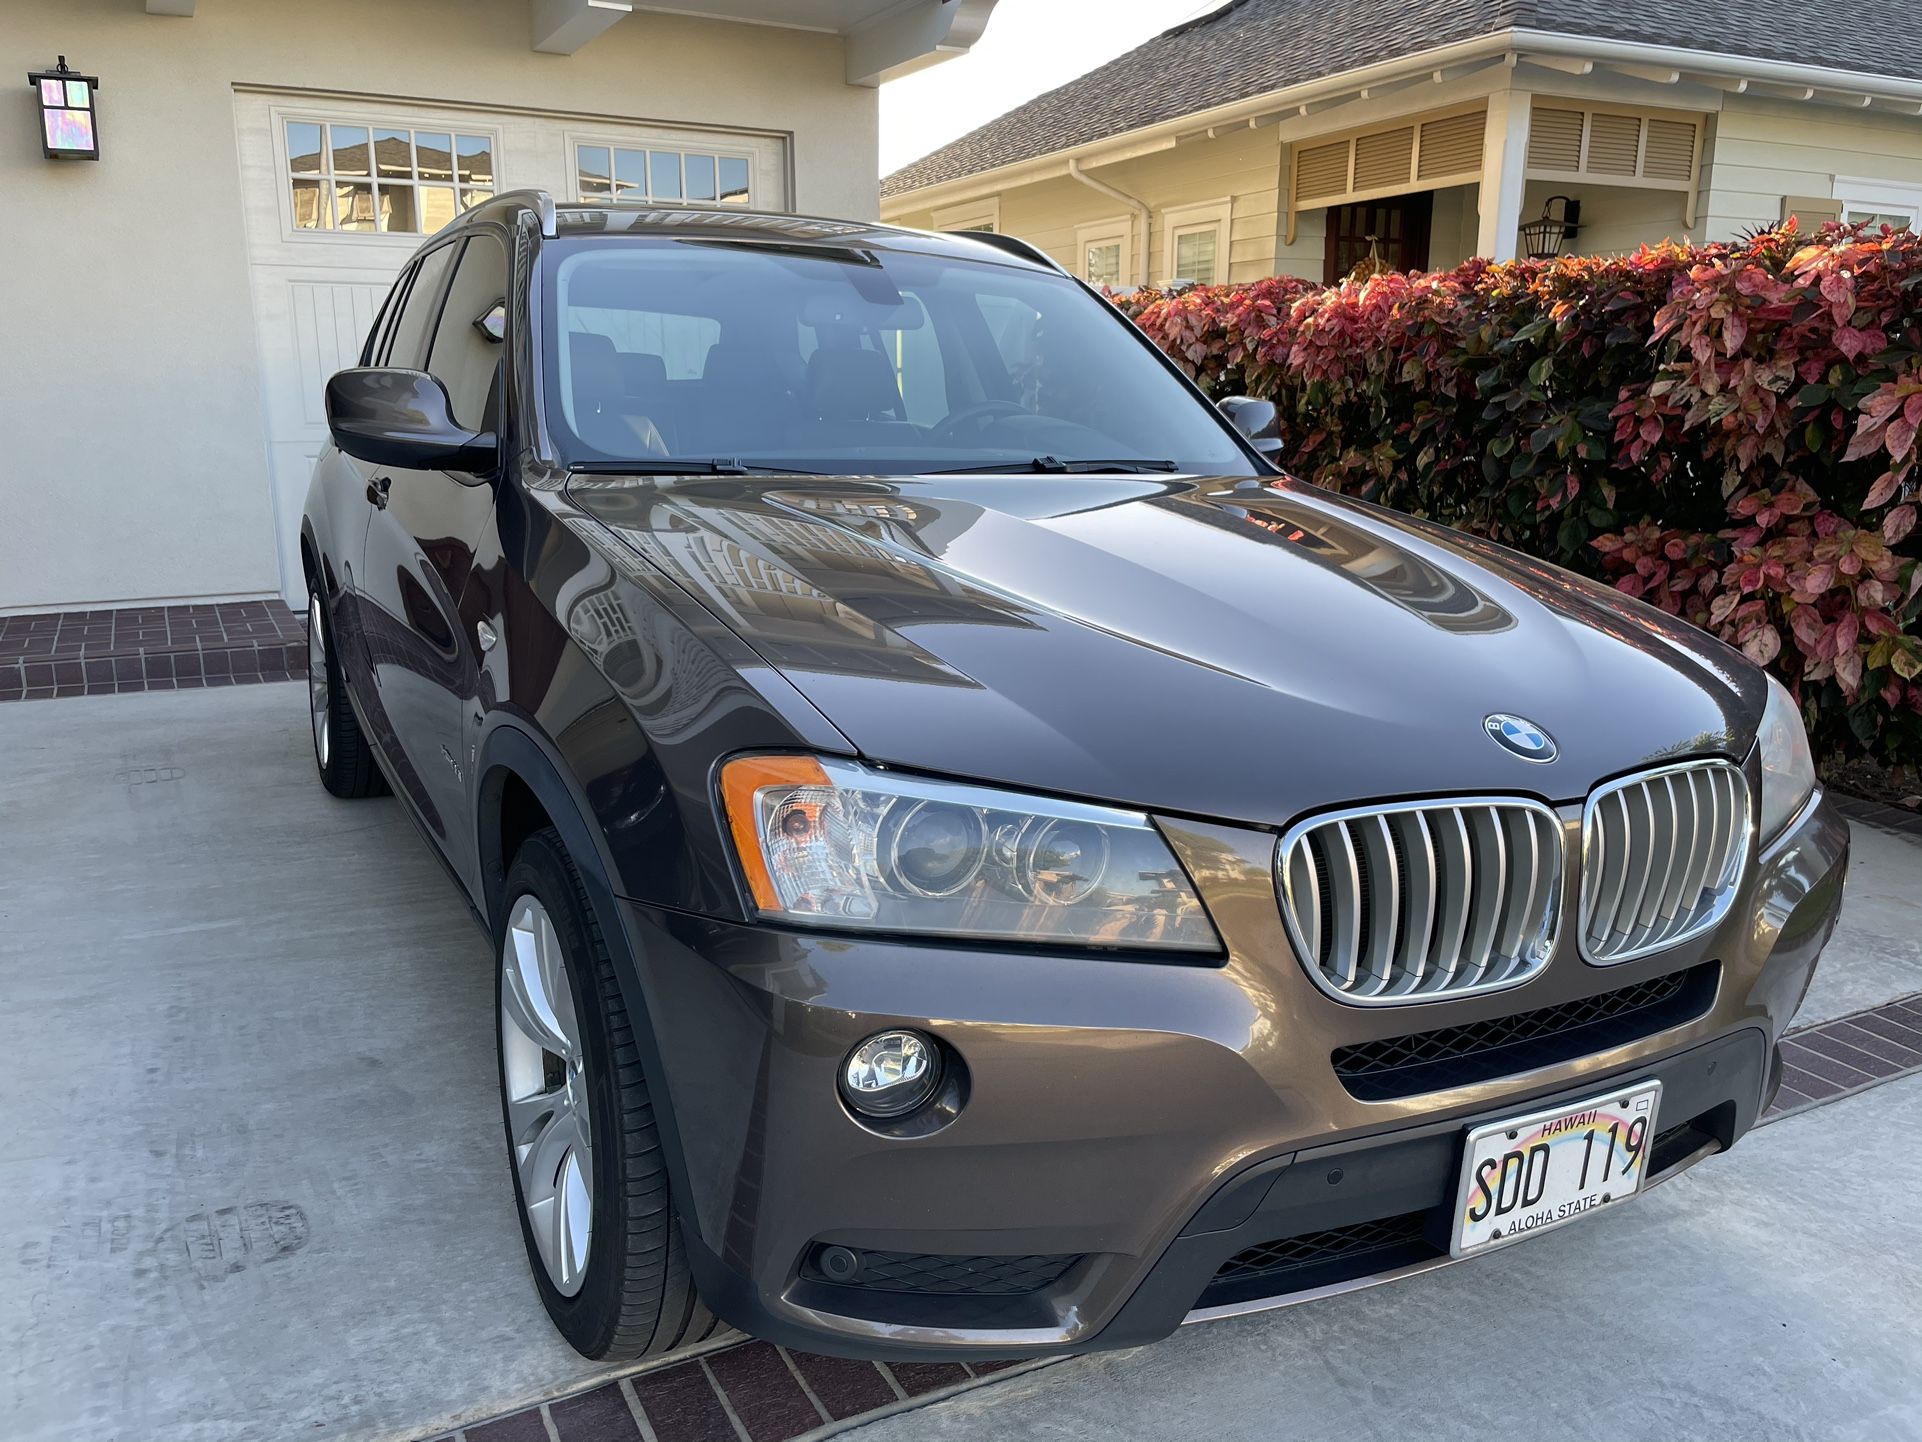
544	1077
318	695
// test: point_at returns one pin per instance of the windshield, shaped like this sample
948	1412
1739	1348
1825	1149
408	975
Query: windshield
852	362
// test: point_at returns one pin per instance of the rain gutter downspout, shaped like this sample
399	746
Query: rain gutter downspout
1139	207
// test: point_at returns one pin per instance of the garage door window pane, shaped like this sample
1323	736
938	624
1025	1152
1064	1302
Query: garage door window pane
436	206
303	149
630	175
394	154
354	207
435	154
313	205
350	149
664	174
733	178
398	210
593	171
700	177
476	160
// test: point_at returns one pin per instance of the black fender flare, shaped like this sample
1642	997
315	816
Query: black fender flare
510	746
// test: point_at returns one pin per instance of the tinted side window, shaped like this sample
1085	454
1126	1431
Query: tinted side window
375	345
407	346
468	341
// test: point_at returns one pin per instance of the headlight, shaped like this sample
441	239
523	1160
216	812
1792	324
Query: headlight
831	843
1788	771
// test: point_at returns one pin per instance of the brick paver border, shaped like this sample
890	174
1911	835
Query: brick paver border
149	648
757	1392
1877	813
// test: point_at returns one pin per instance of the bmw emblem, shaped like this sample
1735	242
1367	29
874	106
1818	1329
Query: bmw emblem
1523	737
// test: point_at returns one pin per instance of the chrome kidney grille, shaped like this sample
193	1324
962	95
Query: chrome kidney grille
1662	854
1407	903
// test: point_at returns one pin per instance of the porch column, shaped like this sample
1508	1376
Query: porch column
1504	160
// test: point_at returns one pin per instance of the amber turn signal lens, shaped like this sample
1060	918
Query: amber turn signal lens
742	780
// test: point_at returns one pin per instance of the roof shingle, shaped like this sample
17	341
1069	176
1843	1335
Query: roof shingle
1250	47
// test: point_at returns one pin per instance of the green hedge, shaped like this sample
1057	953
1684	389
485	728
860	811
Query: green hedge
1727	431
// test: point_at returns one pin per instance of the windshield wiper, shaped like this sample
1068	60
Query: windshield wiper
1054	466
669	466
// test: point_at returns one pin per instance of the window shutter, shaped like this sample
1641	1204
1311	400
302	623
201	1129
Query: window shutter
1670	151
1452	145
1613	141
1555	139
1384	159
1321	171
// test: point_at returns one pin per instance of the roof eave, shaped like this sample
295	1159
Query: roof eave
1817	80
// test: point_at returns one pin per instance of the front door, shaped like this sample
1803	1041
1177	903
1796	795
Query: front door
1396	228
420	545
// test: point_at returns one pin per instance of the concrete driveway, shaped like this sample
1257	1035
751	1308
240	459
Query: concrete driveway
253	1184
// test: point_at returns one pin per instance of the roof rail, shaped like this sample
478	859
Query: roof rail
541	203
1012	244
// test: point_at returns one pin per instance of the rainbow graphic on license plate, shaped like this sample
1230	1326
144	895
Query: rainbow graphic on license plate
1530	1174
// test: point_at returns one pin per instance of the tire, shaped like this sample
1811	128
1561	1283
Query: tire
626	1291
341	753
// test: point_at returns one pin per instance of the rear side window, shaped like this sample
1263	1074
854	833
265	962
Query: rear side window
467	341
407	345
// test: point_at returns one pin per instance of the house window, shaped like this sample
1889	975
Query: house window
984	215
371	179
1102	264
1879	202
614	172
1195	253
1194	243
1103	254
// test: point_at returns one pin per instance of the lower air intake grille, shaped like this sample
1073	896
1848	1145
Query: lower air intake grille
1453	1056
953	1276
1316	1259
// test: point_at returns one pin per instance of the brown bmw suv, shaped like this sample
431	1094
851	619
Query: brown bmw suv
980	862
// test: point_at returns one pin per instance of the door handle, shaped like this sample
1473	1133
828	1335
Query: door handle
377	491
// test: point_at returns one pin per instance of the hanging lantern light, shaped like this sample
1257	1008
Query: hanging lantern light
1542	239
69	128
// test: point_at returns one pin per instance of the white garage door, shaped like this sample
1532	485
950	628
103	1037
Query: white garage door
339	193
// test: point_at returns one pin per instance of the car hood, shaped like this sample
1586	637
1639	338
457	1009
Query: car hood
1237	649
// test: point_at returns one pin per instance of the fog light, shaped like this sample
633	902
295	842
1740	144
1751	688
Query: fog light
890	1073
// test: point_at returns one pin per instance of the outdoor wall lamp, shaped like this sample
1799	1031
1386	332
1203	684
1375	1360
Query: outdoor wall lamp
1542	239
69	129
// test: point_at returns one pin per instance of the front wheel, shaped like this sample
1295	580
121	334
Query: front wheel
341	753
590	1173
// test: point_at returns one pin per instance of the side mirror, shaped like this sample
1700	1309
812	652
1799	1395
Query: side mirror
402	418
1257	420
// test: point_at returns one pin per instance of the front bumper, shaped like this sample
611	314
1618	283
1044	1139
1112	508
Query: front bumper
1141	1123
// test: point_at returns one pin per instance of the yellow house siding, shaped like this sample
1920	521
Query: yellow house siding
1616	219
1241	168
1763	150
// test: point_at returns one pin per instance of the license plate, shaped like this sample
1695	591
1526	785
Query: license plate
1527	1175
